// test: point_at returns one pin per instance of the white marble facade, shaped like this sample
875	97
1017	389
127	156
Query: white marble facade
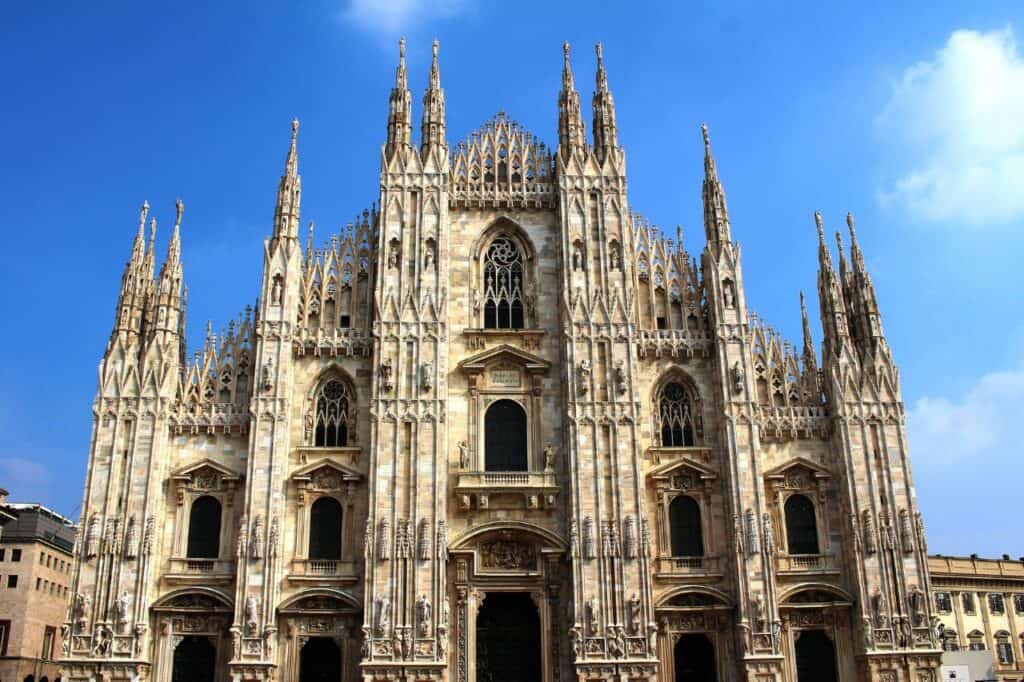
502	383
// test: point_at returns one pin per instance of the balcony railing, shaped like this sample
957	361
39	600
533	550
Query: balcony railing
185	568
806	563
537	488
688	566
323	569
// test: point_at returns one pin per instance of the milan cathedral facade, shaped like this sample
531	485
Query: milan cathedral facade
499	428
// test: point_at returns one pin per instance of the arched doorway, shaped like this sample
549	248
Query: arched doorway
695	659
195	660
320	661
508	639
815	657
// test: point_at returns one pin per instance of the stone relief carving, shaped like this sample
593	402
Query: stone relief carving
403	539
508	555
906	532
621	384
131	538
753	542
386	384
916	600
147	537
868	526
442	540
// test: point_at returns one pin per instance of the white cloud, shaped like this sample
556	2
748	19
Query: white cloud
955	125
967	461
392	17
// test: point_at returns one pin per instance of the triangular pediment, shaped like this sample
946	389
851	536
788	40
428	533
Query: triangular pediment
666	471
204	469
324	468
505	353
794	466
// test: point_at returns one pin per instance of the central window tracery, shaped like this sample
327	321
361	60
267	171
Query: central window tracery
675	416
503	285
332	415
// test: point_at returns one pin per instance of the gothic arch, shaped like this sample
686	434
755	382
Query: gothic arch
348	602
544	536
694	432
312	418
711	593
167	600
504	226
839	593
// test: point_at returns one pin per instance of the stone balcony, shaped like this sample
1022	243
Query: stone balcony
529	489
321	570
191	570
806	564
688	567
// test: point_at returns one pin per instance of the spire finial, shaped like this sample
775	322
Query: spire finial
401	49
143	213
707	138
435	46
295	129
850	225
600	57
152	233
821	226
567	80
839	241
179	207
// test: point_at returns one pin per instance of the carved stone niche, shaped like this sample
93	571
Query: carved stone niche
205	478
799	475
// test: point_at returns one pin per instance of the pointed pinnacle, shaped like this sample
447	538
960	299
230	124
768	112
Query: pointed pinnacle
435	71
143	213
152	233
179	207
567	80
821	226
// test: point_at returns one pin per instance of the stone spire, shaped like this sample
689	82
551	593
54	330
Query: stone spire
169	297
433	127
571	135
861	296
809	355
289	192
606	132
830	296
399	108
139	246
149	261
131	299
716	212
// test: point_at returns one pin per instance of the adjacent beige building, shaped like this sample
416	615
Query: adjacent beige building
979	604
500	427
35	575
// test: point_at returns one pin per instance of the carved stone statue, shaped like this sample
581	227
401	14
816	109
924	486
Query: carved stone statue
620	378
275	291
760	616
737	377
252	615
267	375
917	606
428	257
879	612
423	614
147	538
577	257
868	525
426	376
92	537
82	610
592	615
383	616
589	541
634	614
101	642
583	377
549	457
728	295
131	538
385	375
256	541
121	607
463	455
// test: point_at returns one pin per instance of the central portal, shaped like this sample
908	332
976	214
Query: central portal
508	639
320	661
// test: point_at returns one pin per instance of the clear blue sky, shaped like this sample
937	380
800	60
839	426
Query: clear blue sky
910	115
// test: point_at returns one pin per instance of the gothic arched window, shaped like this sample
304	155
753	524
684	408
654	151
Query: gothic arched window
686	535
332	415
801	526
505	437
325	529
676	419
204	529
503	285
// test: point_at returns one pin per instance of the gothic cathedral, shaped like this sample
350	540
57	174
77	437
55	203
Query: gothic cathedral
499	429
